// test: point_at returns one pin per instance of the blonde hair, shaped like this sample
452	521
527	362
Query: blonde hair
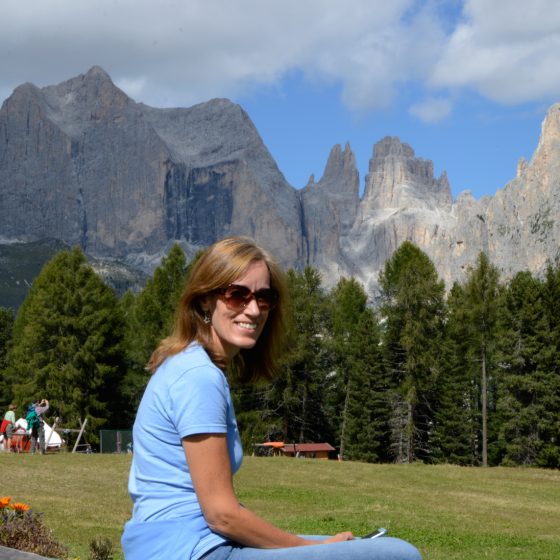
220	265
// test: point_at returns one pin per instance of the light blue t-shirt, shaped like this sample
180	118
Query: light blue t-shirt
187	395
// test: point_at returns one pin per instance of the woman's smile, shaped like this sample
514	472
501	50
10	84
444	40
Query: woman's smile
239	329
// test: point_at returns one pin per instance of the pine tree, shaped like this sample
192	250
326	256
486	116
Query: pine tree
298	395
149	318
368	411
456	429
6	325
522	392
255	410
68	342
481	293
549	372
414	312
359	387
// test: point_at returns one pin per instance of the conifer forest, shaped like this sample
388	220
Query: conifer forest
468	376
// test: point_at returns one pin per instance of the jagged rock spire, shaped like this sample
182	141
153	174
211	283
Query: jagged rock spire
397	179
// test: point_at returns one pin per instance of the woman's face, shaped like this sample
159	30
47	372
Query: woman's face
239	329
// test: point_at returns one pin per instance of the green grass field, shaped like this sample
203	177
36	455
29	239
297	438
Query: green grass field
450	513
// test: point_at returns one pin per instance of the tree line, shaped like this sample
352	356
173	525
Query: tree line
469	377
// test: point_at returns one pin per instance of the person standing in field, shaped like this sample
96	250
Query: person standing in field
187	447
36	423
8	425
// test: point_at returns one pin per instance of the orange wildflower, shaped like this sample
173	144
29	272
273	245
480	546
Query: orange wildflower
19	506
4	501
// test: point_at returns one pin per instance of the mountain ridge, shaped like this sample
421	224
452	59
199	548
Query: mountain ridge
83	163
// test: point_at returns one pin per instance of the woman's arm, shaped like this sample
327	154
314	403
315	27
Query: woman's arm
209	465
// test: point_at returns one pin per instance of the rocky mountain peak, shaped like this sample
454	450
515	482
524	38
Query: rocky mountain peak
341	173
390	146
97	73
74	104
399	179
187	133
310	181
94	87
549	142
522	166
339	158
120	178
329	208
85	164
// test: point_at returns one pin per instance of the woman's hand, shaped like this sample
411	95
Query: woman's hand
345	536
209	464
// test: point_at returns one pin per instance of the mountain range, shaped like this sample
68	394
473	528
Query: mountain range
81	163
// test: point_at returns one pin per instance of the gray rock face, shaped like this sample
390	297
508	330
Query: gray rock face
13	554
398	179
402	201
518	228
79	174
82	163
329	209
524	217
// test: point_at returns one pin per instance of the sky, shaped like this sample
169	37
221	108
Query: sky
465	83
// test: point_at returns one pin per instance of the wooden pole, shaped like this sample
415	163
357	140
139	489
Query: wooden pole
82	428
50	435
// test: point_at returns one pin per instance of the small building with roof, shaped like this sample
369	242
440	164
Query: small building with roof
308	450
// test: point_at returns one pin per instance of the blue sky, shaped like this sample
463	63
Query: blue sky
466	83
479	145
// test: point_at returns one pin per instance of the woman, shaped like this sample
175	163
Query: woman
8	426
38	425
186	442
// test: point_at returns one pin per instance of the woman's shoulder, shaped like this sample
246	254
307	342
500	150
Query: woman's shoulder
191	357
192	362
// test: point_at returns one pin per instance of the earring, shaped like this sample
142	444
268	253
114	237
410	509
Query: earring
206	318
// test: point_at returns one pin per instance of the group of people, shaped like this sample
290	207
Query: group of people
35	427
229	325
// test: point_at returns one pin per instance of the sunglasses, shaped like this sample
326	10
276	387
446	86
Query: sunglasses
238	297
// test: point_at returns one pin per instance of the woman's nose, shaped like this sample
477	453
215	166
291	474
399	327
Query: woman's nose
252	307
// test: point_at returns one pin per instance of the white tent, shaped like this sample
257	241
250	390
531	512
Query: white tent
51	436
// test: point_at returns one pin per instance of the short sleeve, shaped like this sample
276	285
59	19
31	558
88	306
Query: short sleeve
199	402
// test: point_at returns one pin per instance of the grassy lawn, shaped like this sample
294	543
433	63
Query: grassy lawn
450	513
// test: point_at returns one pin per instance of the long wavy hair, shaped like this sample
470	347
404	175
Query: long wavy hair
220	265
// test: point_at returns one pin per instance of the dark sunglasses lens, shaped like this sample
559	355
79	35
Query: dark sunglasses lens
266	299
238	297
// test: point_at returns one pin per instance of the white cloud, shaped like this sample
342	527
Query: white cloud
505	49
432	110
134	87
177	52
374	64
174	52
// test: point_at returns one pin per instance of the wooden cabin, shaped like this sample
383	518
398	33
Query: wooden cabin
308	450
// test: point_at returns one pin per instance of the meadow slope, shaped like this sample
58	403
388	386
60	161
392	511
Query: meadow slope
449	512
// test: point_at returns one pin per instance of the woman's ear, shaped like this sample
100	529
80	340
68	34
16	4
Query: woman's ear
205	304
206	308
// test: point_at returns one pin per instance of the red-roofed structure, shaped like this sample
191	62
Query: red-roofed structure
309	450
